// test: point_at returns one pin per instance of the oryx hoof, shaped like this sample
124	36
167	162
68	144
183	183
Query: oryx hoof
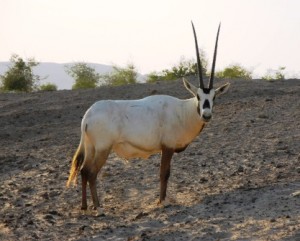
99	212
164	203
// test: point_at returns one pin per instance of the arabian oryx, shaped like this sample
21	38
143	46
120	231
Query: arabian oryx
140	128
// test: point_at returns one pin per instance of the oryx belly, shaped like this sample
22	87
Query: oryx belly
128	151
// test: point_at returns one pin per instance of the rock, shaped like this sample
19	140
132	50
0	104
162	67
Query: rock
27	167
263	116
296	194
240	169
48	216
45	195
54	193
54	212
140	215
26	189
203	180
30	222
280	165
84	228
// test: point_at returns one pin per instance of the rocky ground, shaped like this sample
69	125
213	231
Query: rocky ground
239	180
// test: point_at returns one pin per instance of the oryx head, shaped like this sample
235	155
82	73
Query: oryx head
205	95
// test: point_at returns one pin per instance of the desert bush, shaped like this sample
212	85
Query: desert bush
48	87
275	74
234	71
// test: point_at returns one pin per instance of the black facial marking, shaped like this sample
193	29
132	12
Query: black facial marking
198	108
206	90
206	104
198	98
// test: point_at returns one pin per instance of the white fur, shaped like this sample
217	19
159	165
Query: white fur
140	128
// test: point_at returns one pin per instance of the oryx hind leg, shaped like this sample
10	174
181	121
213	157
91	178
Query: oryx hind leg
86	166
98	162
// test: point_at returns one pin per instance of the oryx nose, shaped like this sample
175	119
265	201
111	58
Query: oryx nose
206	117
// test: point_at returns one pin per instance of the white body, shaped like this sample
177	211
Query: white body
139	128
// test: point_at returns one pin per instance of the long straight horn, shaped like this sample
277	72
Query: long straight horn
199	66
212	75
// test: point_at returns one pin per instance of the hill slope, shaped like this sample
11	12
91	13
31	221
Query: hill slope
234	182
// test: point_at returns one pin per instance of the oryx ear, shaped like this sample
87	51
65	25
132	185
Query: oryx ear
223	89
191	88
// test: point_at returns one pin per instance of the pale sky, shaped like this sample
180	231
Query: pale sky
153	35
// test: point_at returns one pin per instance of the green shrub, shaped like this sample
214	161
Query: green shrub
185	67
85	76
19	76
120	76
234	71
48	87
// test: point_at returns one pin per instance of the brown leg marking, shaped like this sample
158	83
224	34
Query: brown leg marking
93	188
99	161
84	179
165	164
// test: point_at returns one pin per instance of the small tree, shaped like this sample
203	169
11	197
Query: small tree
48	87
19	76
275	74
120	76
235	71
84	75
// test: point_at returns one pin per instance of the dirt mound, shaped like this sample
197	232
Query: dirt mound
237	181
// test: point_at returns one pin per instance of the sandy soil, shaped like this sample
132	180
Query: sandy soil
239	180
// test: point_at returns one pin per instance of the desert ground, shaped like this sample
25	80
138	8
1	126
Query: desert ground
239	180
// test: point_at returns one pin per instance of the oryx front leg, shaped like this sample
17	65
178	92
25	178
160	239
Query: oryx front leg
165	170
